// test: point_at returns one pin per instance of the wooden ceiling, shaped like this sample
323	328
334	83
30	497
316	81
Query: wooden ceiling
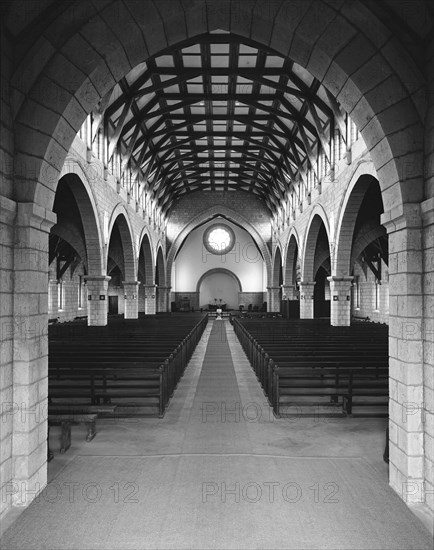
219	112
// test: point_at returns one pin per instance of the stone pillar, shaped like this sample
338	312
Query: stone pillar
163	293
131	294
428	345
406	377
150	299
142	299
340	307
306	299
97	304
29	396
273	298
290	291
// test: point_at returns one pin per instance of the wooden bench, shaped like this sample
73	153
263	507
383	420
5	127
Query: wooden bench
309	360
66	420
72	413
133	363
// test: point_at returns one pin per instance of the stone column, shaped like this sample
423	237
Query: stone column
428	345
290	291
306	299
163	293
29	396
131	294
273	298
406	377
150	299
97	304
142	299
340	307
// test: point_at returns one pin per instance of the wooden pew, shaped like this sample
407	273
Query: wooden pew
310	361
131	363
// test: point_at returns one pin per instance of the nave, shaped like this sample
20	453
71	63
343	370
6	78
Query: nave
219	471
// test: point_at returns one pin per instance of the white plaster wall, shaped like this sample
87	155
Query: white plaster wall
194	260
220	286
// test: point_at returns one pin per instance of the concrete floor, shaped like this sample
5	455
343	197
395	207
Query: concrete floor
226	415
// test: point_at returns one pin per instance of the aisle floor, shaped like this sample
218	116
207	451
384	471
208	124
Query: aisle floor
220	472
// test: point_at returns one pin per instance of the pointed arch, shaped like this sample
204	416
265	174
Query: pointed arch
120	218
146	262
317	219
277	276
207	215
291	258
362	179
75	177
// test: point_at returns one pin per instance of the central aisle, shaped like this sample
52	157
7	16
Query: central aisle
217	472
214	425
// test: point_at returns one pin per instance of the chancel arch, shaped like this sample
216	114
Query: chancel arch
238	252
254	252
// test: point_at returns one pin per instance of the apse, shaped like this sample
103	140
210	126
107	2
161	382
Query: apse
219	287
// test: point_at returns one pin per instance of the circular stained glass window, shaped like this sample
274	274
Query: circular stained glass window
219	239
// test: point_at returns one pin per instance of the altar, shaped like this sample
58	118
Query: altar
215	307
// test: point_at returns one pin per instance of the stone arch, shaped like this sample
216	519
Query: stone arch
370	233
292	253
277	277
361	180
146	273
77	182
219	270
317	218
115	42
162	292
120	217
160	267
70	233
208	215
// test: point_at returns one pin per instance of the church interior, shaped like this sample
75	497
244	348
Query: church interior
217	274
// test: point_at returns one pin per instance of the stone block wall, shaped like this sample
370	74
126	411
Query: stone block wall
245	205
8	327
373	299
428	285
71	303
120	293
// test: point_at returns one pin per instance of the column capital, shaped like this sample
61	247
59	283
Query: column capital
273	287
101	278
427	208
8	210
307	283
33	215
340	279
404	216
131	283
